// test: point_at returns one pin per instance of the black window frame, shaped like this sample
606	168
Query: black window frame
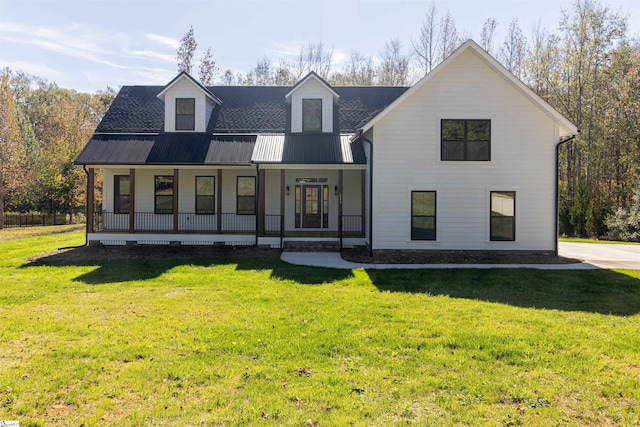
118	197
512	238
414	235
465	141
243	196
156	195
191	115
305	101
212	197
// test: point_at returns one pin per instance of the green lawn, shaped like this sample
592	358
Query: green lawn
260	342
596	241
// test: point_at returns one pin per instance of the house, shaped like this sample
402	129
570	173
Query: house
463	160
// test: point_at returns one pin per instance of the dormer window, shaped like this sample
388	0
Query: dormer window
312	115
185	113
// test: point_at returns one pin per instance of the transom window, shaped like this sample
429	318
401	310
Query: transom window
423	215
163	194
246	195
465	140
205	195
503	215
312	115
185	113
122	194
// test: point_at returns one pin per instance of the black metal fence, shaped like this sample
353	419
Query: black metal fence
351	225
39	219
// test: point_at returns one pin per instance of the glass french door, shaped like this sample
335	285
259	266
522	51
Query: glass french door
312	206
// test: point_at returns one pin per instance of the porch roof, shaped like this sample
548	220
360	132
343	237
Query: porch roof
308	149
167	149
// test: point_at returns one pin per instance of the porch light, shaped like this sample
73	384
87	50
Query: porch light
288	189
335	189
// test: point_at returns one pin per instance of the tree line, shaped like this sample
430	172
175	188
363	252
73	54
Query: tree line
42	129
588	68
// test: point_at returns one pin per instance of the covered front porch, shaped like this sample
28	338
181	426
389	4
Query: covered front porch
254	205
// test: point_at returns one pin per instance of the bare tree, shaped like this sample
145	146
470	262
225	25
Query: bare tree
394	68
282	75
359	70
514	49
313	57
186	50
426	46
449	39
487	34
208	68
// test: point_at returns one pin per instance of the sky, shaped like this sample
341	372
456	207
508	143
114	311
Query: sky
88	45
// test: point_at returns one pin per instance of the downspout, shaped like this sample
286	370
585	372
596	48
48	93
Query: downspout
257	202
370	191
557	216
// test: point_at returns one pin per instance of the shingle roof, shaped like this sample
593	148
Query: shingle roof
308	149
244	109
169	149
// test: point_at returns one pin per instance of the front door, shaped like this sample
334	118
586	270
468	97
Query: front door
311	209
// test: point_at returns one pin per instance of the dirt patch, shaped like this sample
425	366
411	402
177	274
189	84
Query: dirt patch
87	254
360	255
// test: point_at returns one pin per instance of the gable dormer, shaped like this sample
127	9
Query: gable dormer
312	102
187	104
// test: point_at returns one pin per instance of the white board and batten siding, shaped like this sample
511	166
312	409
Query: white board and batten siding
183	88
407	158
312	89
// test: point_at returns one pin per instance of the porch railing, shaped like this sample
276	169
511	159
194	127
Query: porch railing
352	226
145	222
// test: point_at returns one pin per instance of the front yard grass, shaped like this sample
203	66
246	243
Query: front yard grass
262	342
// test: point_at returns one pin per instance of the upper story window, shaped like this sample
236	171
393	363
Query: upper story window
465	140
312	115
185	113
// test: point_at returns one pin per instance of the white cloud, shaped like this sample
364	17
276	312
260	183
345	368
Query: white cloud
152	55
167	41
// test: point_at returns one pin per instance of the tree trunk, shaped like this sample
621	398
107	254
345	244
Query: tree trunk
1	200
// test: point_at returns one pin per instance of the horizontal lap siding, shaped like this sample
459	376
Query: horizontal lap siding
407	156
312	89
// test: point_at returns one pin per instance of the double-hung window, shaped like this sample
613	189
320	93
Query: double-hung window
503	216
423	215
163	194
465	140
205	195
246	195
122	194
312	115
185	113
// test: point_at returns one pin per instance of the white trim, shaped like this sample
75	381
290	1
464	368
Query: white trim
305	79
288	166
566	127
185	238
184	75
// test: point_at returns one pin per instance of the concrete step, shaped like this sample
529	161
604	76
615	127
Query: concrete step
311	246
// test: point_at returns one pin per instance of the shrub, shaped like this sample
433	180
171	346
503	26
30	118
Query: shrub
624	224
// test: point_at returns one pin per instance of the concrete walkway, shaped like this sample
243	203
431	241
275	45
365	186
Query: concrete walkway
594	256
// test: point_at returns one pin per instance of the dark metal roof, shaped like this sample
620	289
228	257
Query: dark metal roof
167	149
245	109
308	149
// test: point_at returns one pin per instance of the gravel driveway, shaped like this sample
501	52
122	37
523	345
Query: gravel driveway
603	255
